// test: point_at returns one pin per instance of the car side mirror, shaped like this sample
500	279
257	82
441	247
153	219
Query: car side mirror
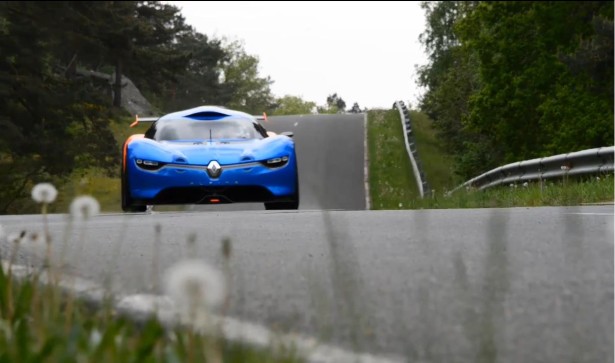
287	133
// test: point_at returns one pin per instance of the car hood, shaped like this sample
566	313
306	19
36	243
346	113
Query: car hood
225	152
202	152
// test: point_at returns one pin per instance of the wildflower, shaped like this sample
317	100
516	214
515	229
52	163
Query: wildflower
512	185
44	193
598	178
400	205
525	185
95	338
84	207
193	284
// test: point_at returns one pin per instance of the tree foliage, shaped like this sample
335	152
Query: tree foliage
335	104
355	108
54	119
293	105
244	89
509	81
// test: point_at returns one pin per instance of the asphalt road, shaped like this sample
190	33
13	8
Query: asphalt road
483	285
330	154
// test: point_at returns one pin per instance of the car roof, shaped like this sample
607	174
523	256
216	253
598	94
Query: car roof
207	113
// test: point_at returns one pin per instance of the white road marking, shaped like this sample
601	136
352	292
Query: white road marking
592	214
366	164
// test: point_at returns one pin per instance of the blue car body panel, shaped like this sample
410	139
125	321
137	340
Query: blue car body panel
258	169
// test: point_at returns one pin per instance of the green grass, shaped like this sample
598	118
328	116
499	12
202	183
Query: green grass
392	183
437	163
40	321
391	180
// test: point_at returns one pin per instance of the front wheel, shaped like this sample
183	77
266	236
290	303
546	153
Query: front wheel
127	205
292	205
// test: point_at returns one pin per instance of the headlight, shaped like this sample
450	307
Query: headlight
149	164
275	162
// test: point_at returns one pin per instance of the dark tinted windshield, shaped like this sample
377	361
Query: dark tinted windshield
202	130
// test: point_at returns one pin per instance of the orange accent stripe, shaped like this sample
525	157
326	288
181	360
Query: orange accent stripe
214	200
128	141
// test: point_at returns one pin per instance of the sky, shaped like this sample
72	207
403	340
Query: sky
365	51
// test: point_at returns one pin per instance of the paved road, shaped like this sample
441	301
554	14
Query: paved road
330	154
483	285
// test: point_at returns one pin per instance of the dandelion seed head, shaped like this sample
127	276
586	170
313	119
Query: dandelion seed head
400	205
84	207
95	338
525	185
44	193
194	284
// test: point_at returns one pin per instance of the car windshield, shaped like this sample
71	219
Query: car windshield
202	130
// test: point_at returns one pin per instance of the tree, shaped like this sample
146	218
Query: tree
136	38
509	81
451	77
355	108
49	123
293	105
200	83
335	104
242	86
334	101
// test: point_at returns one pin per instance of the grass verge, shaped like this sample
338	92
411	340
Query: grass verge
41	323
41	320
392	183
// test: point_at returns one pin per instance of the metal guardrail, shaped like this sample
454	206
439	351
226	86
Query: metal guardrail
417	167
585	162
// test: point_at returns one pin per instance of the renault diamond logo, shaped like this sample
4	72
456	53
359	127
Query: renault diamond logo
214	169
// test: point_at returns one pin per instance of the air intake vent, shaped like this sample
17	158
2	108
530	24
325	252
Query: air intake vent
207	115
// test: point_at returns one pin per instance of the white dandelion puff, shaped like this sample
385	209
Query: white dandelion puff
44	193
95	338
84	207
193	284
525	185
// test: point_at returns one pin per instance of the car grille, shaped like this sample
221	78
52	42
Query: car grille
203	195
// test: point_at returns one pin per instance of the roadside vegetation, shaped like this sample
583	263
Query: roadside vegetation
41	320
393	186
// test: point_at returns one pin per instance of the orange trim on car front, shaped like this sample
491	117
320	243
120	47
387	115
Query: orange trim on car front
128	141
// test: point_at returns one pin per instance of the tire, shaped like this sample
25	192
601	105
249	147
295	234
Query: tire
127	205
293	204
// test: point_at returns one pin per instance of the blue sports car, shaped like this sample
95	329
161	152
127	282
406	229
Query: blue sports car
209	155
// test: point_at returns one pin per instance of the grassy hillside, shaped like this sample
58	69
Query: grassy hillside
393	186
